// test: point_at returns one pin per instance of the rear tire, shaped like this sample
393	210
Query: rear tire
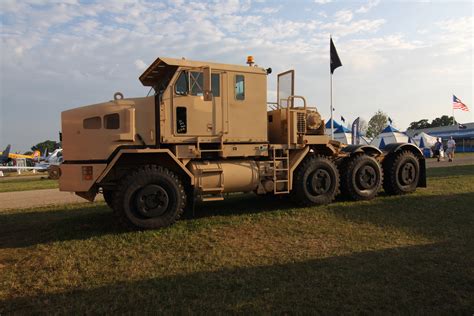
151	197
316	182
402	172
361	178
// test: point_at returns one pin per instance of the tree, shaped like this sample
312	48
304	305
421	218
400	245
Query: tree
442	121
51	145
420	124
439	121
376	124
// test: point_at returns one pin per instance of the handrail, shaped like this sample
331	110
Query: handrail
292	97
288	110
272	105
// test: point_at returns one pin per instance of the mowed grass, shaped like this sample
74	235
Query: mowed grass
12	184
404	255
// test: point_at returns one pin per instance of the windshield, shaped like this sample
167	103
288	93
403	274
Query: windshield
163	78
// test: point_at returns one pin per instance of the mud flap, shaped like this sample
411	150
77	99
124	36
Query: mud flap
88	195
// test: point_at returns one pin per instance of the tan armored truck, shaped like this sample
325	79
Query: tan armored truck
208	130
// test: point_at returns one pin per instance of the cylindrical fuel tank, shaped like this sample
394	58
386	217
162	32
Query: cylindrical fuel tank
226	175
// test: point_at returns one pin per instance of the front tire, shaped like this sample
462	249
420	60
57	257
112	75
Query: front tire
108	197
402	172
316	182
361	178
151	197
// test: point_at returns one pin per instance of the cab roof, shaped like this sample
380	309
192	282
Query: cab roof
156	69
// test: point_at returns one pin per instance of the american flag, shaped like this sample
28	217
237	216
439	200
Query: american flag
458	105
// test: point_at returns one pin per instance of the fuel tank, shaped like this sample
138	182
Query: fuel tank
226	175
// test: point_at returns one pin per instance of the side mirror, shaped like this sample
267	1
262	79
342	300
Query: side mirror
207	89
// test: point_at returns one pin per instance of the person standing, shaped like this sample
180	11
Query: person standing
438	147
451	148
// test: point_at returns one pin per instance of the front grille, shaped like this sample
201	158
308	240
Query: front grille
301	123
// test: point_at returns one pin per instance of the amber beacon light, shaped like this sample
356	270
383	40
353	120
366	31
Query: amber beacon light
250	61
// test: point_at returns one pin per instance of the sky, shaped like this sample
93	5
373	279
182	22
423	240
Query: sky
405	58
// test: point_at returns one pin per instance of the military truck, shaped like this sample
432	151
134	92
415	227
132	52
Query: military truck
208	130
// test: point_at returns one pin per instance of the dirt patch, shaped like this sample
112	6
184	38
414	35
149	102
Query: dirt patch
37	198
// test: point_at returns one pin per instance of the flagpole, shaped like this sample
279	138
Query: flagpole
332	120
330	89
454	120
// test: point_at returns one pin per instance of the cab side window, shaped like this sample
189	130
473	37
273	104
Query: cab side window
215	85
182	83
92	123
239	87
181	120
112	121
196	80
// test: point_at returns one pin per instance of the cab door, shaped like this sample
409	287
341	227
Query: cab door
193	116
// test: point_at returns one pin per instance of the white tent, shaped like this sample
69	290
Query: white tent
390	135
424	140
364	140
343	135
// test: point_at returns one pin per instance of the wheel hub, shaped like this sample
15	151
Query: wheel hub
408	173
320	182
152	201
366	177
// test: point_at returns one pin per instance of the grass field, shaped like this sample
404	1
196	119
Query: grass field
405	255
25	184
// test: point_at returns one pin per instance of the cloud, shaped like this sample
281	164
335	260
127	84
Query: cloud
456	36
366	8
140	64
270	10
322	1
343	16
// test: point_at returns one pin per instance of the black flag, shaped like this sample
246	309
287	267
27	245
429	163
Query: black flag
335	61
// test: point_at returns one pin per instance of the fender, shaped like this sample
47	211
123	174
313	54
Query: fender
153	154
392	148
367	149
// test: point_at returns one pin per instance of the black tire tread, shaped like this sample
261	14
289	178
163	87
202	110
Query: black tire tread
146	172
109	198
390	169
347	190
297	194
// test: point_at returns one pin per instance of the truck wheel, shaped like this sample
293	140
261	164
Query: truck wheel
151	197
402	171
361	178
108	197
316	182
54	172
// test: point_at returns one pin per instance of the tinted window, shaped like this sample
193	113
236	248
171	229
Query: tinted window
215	85
239	87
181	120
92	123
112	121
182	84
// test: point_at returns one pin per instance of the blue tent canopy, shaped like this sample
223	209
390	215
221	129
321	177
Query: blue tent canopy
342	129
390	129
382	144
422	143
336	124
